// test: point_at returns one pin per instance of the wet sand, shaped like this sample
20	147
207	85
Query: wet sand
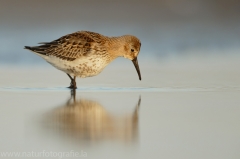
183	108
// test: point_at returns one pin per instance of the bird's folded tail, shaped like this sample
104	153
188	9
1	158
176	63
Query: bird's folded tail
36	49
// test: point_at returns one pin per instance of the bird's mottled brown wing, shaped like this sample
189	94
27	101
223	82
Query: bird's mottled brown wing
72	46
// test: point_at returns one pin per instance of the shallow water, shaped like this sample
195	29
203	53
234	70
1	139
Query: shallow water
115	89
180	110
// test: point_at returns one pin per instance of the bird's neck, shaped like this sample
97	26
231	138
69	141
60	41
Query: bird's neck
116	46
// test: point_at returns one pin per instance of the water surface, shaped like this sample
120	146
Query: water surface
181	110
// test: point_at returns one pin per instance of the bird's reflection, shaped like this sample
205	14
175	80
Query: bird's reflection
89	121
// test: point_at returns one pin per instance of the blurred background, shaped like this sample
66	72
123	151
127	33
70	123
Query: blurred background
187	104
167	28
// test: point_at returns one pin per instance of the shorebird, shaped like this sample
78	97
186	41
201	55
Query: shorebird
85	54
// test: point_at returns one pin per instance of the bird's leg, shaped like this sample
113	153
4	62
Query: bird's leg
73	83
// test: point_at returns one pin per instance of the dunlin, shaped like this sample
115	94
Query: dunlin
85	54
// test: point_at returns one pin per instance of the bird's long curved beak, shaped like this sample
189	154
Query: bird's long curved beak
135	62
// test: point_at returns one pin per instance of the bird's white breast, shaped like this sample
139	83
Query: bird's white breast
82	67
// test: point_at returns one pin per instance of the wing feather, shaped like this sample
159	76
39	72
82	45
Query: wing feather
72	46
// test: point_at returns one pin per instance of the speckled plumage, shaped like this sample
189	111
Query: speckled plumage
85	54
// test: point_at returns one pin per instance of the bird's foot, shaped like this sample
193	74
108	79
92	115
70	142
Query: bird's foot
73	85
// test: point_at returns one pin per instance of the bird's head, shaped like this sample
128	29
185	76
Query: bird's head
131	51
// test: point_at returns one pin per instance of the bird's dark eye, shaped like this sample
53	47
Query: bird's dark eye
132	50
